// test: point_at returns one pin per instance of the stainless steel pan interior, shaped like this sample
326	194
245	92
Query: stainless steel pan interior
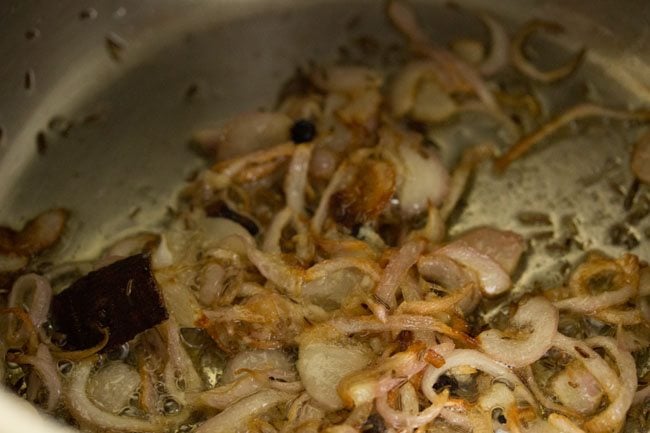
98	99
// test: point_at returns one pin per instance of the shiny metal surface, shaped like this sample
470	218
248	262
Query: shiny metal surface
114	122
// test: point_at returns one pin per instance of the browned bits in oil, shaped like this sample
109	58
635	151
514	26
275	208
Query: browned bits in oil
41	143
88	14
542	235
29	80
622	236
368	46
532	218
2	135
115	46
92	117
191	92
31	34
60	125
631	194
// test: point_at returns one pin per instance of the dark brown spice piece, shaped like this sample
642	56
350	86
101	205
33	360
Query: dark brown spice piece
122	298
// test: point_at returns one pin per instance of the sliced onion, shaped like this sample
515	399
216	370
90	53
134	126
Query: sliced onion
628	279
641	159
613	417
499	54
42	232
179	364
431	306
537	316
479	361
404	420
469	160
256	360
11	262
330	291
396	323
503	246
211	283
493	279
396	270
366	385
422	179
180	301
432	104
236	417
339	178
577	389
323	162
226	170
592	361
244	133
531	71
272	267
527	375
33	292
273	233
14	337
362	110
322	365
296	179
470	50
563	424
113	385
133	244
404	87
346	79
456	70
48	373
223	396
86	413
577	112
325	267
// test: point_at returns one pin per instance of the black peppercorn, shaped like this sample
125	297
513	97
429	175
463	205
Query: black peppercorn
303	131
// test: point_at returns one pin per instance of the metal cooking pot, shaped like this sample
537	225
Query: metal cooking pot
98	100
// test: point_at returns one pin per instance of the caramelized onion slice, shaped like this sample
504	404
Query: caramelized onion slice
503	246
493	279
86	413
613	416
235	417
537	318
531	71
577	112
243	134
479	361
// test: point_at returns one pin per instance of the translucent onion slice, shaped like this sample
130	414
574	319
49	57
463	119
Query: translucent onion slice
479	361
493	279
88	414
613	416
322	365
235	418
537	318
396	270
527	68
243	134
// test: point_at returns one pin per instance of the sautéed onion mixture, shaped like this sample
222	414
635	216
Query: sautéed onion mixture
306	282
